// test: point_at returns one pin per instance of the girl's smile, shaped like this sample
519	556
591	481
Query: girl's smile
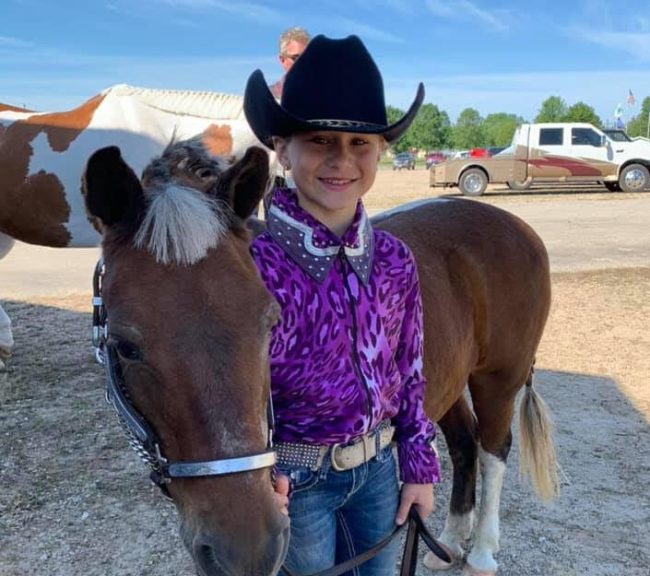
332	171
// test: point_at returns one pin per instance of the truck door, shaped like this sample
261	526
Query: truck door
546	145
591	157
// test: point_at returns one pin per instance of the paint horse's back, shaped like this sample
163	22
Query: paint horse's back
485	283
42	155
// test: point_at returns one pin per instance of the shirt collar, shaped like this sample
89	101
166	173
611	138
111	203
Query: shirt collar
312	245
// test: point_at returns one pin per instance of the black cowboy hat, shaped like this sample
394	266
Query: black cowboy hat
334	85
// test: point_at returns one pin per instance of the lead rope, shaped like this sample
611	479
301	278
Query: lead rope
270	418
416	528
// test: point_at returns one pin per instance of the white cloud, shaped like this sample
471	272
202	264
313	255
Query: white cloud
9	42
463	9
366	32
78	76
401	6
246	10
636	44
523	94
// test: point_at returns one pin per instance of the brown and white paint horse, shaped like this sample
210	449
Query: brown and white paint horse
486	292
42	156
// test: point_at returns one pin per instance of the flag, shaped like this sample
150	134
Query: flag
631	100
618	112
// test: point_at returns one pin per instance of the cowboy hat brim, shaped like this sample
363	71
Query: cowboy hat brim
267	118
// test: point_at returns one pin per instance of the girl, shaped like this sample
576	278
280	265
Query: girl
346	355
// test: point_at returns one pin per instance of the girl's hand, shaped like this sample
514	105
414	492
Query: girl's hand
281	487
418	495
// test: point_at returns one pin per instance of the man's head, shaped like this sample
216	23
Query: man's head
292	44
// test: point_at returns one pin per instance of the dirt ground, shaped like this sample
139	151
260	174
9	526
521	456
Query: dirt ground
75	500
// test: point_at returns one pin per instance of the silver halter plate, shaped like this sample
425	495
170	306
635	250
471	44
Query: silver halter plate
140	434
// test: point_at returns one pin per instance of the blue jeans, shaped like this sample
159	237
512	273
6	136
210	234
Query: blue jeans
337	515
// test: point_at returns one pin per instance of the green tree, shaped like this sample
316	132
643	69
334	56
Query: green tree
581	112
500	127
393	114
430	130
553	109
638	126
468	131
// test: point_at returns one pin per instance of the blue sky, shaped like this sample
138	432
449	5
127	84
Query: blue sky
494	56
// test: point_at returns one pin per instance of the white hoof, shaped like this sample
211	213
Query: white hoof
432	562
4	354
5	351
469	570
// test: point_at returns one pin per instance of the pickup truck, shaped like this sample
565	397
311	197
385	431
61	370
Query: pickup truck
557	152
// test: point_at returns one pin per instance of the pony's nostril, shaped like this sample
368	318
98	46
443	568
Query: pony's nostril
206	560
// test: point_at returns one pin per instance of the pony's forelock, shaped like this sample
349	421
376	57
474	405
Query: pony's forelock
180	226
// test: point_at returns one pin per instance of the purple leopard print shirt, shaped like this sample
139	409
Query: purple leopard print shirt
347	352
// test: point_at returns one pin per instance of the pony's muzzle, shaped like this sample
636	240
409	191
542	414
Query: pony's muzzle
218	555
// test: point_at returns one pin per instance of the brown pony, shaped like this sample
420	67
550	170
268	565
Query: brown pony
188	322
190	319
486	293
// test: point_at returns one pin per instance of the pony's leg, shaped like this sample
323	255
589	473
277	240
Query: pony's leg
459	428
493	397
6	244
6	338
480	560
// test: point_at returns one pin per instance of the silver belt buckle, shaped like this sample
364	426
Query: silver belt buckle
367	443
333	461
370	446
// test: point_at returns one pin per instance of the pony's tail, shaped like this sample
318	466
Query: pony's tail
537	452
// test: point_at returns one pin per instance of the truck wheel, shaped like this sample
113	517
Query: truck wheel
473	182
612	186
520	184
634	178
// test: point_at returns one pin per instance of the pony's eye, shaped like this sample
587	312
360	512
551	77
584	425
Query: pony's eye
128	351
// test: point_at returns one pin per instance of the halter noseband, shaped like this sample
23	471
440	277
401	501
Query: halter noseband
142	437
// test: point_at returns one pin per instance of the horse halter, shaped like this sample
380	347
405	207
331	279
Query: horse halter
141	435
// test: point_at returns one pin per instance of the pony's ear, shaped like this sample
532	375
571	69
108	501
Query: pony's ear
243	185
112	191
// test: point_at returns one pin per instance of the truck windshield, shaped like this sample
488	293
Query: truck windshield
584	137
617	135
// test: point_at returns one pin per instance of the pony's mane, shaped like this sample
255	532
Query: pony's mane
180	226
216	105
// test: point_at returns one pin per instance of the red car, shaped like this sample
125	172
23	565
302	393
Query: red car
479	153
485	152
433	158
